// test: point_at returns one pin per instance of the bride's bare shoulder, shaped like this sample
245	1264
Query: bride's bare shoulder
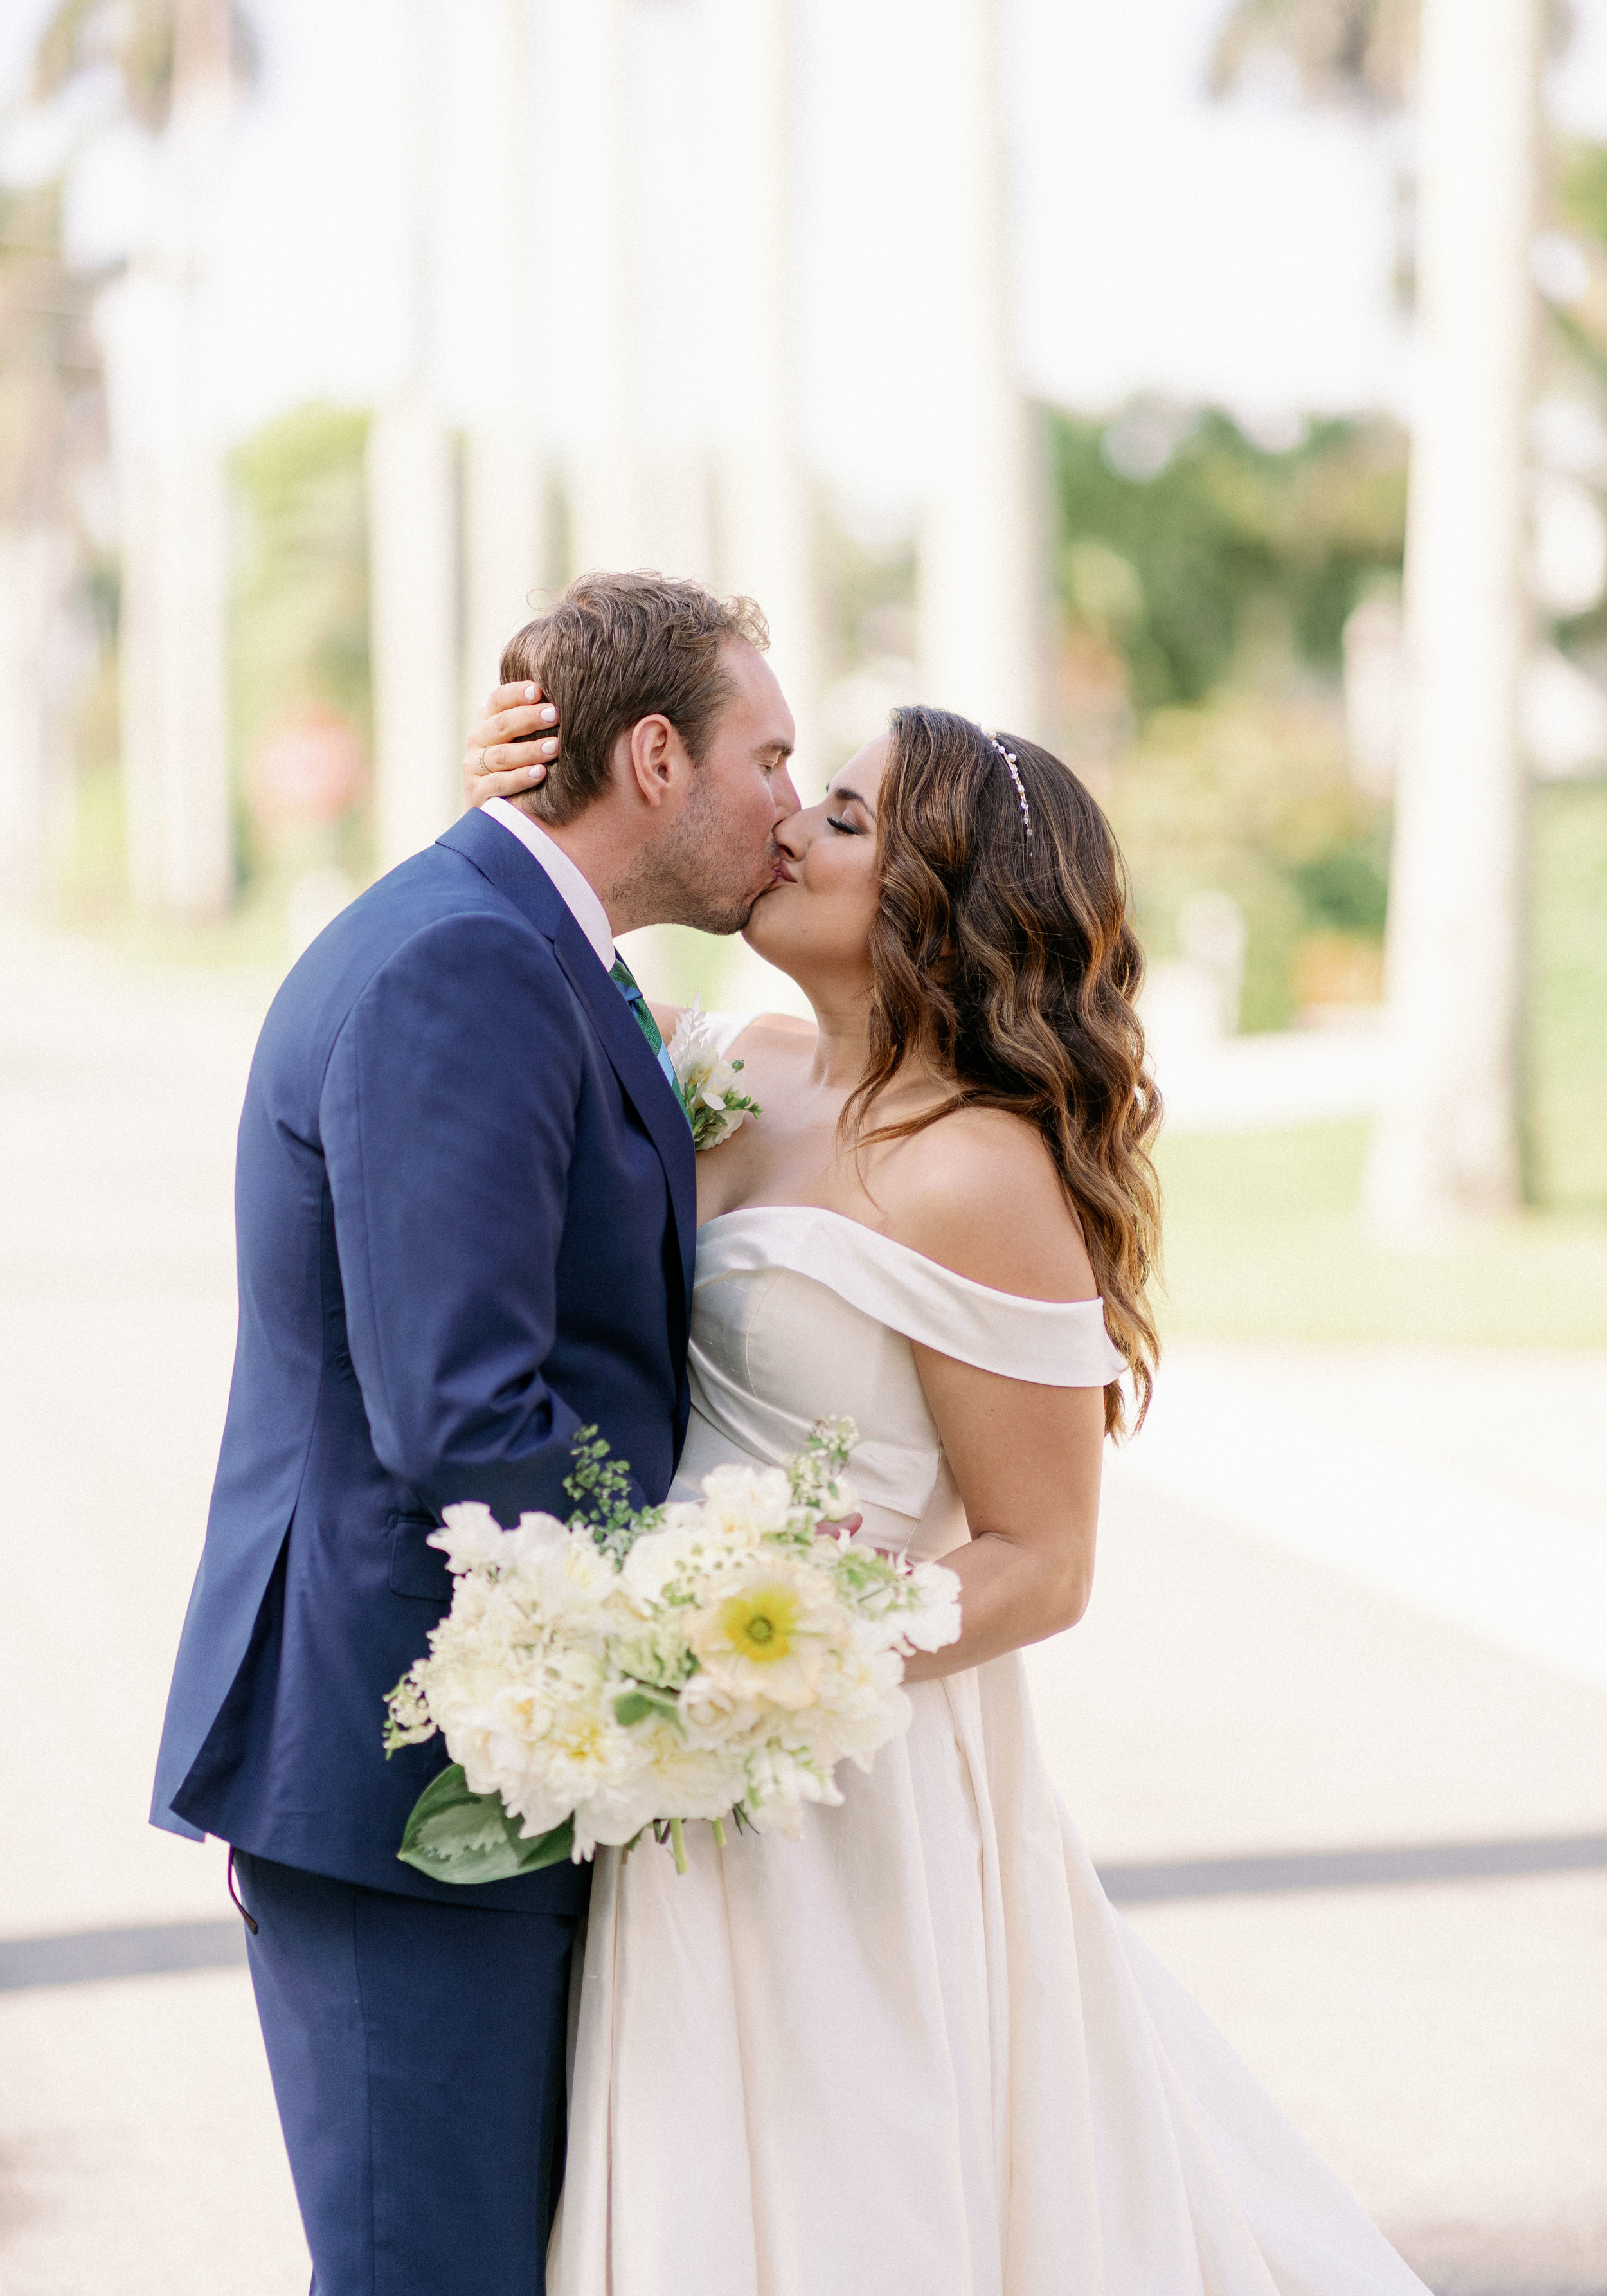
978	1192
785	1027
776	1034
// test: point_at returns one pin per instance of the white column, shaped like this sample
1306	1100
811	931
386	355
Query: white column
412	530
978	556
601	478
412	625
1447	1141
504	476
671	117
764	512
173	511
34	559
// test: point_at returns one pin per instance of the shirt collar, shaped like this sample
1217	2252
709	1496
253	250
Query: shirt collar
574	887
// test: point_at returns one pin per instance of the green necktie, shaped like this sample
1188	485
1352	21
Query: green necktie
625	981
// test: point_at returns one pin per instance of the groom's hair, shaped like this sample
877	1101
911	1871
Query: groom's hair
616	648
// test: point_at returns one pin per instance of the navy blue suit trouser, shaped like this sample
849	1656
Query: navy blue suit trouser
417	2050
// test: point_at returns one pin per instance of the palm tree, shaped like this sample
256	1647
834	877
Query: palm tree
1355	52
1447	1143
52	426
979	611
173	64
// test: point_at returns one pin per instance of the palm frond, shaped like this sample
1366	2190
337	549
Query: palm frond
1356	52
138	39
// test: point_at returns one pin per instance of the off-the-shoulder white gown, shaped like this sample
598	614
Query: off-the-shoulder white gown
916	2052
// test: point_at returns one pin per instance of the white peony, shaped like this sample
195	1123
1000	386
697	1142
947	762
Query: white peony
746	1504
471	1538
534	1534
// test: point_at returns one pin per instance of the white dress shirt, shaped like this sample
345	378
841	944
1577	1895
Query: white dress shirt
574	888
580	897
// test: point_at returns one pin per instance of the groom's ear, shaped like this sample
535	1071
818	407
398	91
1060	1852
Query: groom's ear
655	758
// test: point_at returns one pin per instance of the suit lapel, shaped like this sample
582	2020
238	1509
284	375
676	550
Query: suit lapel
520	878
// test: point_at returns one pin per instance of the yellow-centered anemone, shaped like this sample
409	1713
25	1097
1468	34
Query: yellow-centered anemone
761	1625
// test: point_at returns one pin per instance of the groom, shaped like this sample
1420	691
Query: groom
465	1208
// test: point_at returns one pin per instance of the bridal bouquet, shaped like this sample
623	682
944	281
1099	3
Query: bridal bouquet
632	1670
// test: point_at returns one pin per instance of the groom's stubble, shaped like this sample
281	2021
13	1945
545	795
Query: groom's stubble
693	874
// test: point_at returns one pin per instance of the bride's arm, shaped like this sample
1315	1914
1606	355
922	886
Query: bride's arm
1027	1461
979	1195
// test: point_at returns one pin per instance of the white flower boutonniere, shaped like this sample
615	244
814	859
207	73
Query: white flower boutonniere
715	1106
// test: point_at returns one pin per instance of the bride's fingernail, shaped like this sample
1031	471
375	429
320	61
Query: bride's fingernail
537	773
549	748
530	693
546	715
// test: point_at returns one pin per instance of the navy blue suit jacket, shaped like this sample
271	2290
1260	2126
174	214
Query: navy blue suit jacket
466	1210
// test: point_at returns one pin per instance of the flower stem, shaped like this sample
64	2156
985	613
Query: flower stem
720	1833
678	1843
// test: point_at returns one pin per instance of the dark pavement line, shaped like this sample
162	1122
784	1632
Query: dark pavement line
165	1948
85	1954
1388	1865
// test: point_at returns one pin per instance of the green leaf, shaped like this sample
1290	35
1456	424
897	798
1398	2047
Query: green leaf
453	1835
634	1706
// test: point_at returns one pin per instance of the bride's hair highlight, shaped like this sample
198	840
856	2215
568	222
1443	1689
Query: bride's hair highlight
1009	962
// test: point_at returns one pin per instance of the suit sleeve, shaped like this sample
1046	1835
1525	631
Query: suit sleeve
448	1116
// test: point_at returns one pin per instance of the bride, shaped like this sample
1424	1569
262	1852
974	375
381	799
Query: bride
917	2053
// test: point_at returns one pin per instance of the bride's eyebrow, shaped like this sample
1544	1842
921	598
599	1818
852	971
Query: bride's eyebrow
849	797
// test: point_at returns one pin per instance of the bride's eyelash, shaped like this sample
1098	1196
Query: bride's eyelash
846	827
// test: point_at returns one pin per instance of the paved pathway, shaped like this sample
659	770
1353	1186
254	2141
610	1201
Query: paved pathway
1283	1655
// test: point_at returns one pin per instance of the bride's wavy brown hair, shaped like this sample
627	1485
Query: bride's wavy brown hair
1008	962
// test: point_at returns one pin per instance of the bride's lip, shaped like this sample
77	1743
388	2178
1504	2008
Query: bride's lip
780	876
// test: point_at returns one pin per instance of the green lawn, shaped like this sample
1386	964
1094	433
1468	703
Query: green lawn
1264	1241
1566	1050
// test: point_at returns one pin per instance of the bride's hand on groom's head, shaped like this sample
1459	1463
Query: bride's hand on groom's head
512	746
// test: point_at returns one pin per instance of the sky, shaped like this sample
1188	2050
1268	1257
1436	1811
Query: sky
1239	252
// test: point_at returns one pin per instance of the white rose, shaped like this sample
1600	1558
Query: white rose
714	1715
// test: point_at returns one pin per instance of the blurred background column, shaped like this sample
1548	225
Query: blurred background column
1447	1141
667	130
600	487
978	593
172	505
765	510
506	461
412	510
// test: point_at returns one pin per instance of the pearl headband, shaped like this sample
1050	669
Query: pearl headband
1009	757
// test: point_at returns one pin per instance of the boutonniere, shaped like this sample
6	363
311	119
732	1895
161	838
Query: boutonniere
708	1085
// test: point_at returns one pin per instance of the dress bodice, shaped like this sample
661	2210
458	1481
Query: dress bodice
801	1313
